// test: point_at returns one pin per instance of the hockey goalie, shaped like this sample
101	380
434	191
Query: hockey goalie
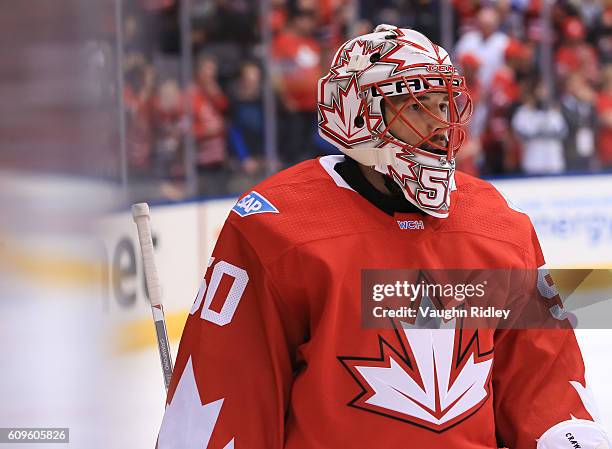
274	354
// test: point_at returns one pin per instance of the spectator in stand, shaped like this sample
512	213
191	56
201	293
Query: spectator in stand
542	129
170	127
422	15
297	67
229	21
534	26
578	108
590	11
465	10
519	57
209	105
468	159
228	32
500	143
246	132
137	92
487	42
277	19
138	38
602	35
604	110
574	53
512	17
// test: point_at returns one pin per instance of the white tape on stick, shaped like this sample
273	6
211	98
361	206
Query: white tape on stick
142	217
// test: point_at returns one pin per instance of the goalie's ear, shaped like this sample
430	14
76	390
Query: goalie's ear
574	433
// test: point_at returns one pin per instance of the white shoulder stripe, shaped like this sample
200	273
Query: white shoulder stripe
328	163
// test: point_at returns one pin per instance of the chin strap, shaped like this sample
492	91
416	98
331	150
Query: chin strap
381	157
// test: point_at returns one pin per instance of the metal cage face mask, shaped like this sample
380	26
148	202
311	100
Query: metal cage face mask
360	114
447	126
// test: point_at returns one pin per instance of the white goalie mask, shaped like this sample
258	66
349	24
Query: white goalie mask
357	111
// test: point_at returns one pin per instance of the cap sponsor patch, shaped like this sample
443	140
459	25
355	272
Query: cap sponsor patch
253	203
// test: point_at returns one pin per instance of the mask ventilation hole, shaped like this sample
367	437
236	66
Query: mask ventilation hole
375	58
359	121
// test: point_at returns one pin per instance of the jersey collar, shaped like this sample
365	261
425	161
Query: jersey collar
346	173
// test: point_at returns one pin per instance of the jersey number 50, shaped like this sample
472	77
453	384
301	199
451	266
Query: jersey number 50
230	302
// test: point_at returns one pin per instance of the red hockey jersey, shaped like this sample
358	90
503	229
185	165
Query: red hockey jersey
273	354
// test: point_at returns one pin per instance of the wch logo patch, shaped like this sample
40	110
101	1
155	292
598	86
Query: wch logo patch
411	224
253	203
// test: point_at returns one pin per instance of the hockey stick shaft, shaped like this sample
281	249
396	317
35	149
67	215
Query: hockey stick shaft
142	218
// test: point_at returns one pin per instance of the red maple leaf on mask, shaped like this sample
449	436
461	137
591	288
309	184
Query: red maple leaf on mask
338	119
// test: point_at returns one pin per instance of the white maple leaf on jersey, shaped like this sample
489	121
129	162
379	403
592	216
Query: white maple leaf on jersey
338	119
434	399
188	424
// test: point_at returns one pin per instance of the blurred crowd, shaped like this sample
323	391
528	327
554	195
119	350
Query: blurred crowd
542	88
541	83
